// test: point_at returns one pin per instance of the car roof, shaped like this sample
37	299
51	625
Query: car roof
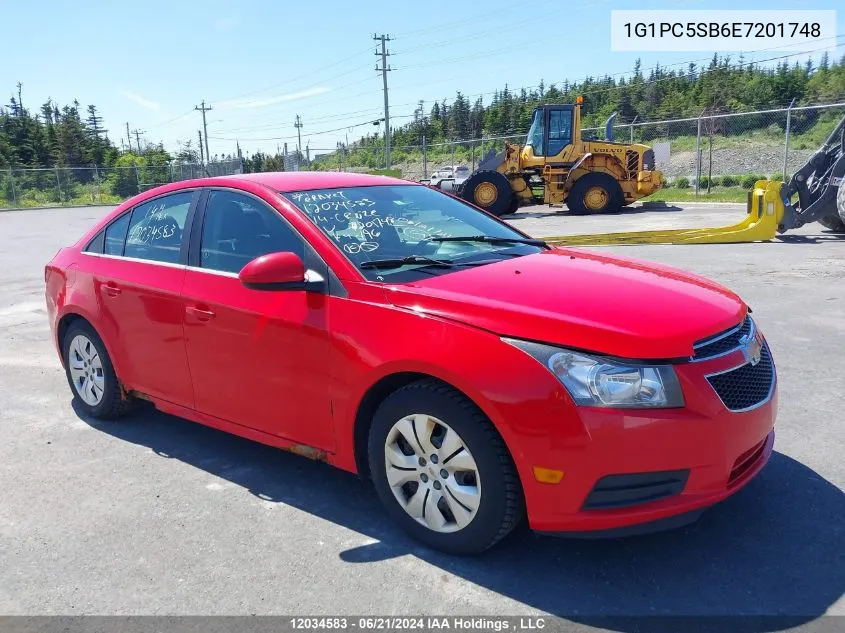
303	180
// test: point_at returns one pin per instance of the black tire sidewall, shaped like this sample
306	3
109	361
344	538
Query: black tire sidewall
833	222
467	421
575	200
108	403
502	205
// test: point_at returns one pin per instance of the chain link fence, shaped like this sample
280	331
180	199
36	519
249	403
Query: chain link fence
694	152
701	152
67	186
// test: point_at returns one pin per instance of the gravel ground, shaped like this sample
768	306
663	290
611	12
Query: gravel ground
156	515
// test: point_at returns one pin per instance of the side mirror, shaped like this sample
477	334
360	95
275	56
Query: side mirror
274	271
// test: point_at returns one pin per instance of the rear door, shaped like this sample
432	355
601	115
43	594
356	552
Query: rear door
258	358
137	272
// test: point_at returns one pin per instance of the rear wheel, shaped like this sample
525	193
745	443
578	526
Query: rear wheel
441	470
595	193
489	190
90	373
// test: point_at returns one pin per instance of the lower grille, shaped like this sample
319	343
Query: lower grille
621	491
746	462
746	386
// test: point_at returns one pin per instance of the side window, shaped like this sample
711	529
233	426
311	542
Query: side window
155	230
116	235
238	228
96	245
560	131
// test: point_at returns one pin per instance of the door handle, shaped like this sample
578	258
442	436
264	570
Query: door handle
200	314
111	290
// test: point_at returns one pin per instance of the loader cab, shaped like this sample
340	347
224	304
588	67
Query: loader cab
553	128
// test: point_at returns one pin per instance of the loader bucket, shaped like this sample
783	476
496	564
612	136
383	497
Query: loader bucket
765	211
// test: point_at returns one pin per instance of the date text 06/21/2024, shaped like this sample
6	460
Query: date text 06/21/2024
418	623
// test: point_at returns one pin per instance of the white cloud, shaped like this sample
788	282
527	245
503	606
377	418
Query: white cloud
141	101
238	104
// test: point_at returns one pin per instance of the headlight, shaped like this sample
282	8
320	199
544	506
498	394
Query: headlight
599	382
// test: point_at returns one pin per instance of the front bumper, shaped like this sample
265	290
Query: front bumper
668	515
715	450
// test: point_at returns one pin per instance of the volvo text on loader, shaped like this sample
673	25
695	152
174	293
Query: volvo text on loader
557	166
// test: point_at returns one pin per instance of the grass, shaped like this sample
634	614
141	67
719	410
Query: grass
717	194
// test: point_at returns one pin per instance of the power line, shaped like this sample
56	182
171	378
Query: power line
310	73
290	138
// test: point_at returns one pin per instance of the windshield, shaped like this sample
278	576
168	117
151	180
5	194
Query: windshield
535	133
405	221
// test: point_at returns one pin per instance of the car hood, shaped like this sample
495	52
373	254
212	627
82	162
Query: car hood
581	299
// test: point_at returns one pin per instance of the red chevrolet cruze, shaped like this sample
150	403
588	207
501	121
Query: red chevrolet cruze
473	373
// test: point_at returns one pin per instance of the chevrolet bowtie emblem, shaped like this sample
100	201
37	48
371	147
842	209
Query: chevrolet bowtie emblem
752	349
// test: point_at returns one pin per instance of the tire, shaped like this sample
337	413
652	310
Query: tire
85	357
499	203
833	222
611	191
487	517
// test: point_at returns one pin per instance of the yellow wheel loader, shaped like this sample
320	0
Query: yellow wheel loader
815	193
557	166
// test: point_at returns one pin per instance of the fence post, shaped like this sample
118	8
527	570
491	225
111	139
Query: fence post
14	191
96	182
137	178
425	160
453	153
786	137
632	128
58	182
698	154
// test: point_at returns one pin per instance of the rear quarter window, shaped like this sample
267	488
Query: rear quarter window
115	235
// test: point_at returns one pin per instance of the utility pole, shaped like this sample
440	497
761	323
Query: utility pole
298	125
384	39
137	134
202	156
204	109
128	138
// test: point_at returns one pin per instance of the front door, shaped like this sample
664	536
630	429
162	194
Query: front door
559	126
258	358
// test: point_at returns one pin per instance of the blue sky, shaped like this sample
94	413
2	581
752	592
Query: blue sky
260	63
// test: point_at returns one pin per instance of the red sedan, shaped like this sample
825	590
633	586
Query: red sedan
474	374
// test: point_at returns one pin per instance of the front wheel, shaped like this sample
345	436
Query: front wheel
489	190
442	471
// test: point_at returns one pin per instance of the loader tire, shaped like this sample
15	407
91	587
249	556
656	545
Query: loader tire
489	190
833	222
595	193
836	221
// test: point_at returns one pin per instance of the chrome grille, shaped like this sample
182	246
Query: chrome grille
724	342
747	386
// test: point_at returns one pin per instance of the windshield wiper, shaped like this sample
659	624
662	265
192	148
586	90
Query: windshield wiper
487	238
404	261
